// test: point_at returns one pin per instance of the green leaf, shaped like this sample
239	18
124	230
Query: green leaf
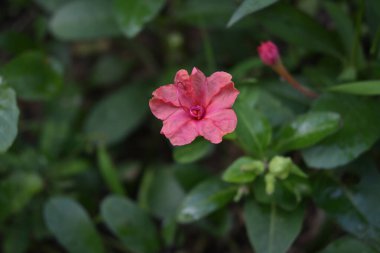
253	130
160	193
360	131
275	110
117	115
109	172
9	114
33	76
16	191
248	7
359	88
243	170
132	15
353	203
192	152
204	199
307	130
72	227
270	229
130	224
347	244
84	20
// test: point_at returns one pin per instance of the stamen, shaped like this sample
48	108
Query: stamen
197	112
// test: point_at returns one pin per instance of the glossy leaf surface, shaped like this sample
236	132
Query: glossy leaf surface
307	130
359	88
270	229
132	15
360	119
204	199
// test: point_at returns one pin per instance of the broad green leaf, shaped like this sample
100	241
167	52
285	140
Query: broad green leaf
271	229
275	110
33	76
9	114
70	224
84	20
109	172
253	130
354	205
16	191
247	7
306	130
243	170
359	132
204	199
132	15
359	88
130	224
347	244
192	152
117	115
160	192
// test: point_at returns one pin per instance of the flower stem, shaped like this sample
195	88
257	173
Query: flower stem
283	72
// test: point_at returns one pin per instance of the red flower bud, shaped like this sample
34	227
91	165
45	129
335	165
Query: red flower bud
268	53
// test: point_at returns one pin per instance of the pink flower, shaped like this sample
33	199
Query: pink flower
196	105
268	53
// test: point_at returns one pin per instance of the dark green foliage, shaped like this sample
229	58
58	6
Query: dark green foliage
84	168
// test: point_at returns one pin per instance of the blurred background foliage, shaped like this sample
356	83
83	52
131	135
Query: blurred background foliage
83	168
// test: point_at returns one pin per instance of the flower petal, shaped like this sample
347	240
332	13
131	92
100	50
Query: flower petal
224	99
167	93
162	110
179	128
215	82
224	119
209	131
216	125
199	84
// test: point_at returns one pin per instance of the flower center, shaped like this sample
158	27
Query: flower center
197	111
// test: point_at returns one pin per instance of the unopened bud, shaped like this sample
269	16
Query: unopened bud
280	166
270	182
268	53
255	166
